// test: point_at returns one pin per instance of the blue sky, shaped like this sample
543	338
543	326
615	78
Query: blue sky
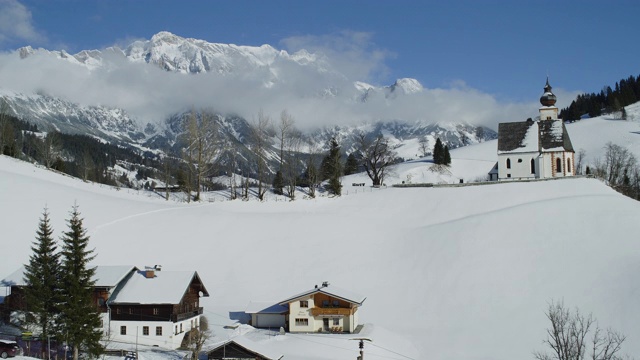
501	48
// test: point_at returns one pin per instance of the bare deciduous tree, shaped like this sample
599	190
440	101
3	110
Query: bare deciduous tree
424	146
196	338
202	148
285	127
376	155
581	155
49	148
259	143
567	337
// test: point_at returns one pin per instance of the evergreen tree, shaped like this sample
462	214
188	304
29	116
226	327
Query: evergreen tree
438	152
79	317
446	158
278	183
42	278
332	168
351	165
623	114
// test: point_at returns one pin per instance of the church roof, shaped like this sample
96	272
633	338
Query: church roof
531	136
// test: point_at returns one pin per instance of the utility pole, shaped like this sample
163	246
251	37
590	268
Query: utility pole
361	346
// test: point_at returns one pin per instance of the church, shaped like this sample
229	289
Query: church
535	149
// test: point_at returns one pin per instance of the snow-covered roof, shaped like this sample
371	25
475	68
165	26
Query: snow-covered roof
15	279
110	276
248	345
346	295
532	136
166	287
105	276
264	307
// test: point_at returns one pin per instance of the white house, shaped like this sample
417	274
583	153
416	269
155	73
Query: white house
535	149
147	307
156	308
323	309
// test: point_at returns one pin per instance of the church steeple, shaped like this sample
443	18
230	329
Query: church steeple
548	111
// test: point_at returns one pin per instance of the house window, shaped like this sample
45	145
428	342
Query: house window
508	175
155	311
304	303
568	165
123	330
130	311
302	322
159	330
533	166
118	311
508	163
176	331
336	303
558	165
100	302
180	327
336	322
145	330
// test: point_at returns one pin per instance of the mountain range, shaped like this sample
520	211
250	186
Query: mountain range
115	113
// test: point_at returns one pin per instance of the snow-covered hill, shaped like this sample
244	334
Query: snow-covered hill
449	273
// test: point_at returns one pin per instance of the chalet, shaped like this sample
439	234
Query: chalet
535	149
150	306
241	348
323	309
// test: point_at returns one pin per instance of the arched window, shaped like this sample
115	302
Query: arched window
568	165
533	166
558	165
508	163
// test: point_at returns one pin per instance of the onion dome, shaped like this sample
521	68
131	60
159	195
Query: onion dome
548	98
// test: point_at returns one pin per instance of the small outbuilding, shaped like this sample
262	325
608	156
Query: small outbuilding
241	348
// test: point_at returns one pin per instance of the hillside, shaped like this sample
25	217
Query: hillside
449	273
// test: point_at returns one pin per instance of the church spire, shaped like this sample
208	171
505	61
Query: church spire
548	98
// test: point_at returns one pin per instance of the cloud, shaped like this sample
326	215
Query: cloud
352	53
313	96
16	23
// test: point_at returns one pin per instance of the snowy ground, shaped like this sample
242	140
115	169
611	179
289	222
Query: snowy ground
449	273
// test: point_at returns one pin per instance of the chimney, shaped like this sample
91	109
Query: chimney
149	272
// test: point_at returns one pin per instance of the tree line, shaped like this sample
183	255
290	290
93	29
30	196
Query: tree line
609	100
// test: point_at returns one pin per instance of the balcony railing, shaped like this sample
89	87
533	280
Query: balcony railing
318	311
187	315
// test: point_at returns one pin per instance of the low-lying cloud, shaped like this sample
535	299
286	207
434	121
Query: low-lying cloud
314	98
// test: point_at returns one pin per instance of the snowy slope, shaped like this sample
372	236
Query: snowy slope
459	273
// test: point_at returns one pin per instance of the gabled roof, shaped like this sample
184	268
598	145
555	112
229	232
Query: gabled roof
241	347
332	291
166	287
260	307
533	136
105	276
517	136
554	136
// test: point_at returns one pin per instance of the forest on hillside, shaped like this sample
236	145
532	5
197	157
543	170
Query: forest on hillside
608	101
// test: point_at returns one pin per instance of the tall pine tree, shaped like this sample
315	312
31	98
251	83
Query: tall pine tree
42	278
438	152
80	318
332	168
446	157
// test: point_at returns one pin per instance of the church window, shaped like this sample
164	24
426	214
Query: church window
508	163
533	166
508	175
558	165
519	160
568	164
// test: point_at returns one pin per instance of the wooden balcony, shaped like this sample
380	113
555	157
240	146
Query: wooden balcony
187	315
319	311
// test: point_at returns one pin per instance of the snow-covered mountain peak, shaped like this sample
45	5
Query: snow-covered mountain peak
407	86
